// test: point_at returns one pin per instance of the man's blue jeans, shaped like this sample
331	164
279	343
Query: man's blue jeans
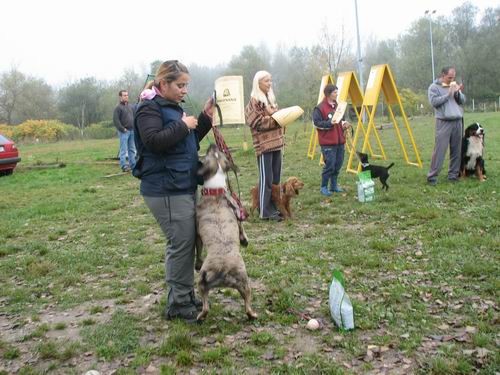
127	149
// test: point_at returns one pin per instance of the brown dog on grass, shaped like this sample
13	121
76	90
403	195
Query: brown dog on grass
218	228
281	195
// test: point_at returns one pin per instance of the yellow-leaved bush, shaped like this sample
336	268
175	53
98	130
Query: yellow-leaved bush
39	131
7	130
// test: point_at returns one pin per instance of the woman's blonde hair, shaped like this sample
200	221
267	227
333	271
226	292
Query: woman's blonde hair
169	71
258	94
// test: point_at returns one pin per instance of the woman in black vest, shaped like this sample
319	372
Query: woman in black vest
168	143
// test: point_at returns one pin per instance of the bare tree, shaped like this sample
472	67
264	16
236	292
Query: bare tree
333	46
11	87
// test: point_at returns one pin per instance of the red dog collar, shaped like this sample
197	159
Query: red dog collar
217	191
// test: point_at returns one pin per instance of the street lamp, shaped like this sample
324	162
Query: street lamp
429	13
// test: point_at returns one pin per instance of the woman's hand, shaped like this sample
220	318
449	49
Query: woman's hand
190	121
271	109
208	108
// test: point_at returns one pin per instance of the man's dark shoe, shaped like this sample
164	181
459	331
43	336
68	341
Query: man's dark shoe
432	182
188	313
453	180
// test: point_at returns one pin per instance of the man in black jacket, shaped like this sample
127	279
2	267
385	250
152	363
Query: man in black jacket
123	118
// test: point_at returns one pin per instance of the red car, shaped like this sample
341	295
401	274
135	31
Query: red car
9	156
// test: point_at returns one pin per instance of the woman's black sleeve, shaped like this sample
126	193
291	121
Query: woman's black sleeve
155	137
204	125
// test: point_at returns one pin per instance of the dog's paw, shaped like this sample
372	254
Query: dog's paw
252	315
201	316
198	264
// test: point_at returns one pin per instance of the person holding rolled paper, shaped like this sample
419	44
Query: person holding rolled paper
331	139
268	141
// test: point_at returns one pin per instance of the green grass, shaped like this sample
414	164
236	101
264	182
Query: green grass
419	263
117	337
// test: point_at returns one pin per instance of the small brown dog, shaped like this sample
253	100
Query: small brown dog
281	195
218	228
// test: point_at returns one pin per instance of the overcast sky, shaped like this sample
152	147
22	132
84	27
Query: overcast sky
62	41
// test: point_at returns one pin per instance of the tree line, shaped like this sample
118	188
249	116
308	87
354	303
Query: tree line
467	39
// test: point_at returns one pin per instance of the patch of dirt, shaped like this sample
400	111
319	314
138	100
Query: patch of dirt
303	342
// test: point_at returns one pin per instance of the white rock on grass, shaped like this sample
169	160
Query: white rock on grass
312	325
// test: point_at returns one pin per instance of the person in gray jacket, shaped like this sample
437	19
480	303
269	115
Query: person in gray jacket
446	98
123	118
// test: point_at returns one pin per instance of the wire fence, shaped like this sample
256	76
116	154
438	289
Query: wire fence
473	105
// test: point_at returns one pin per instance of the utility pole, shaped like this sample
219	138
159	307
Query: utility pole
429	13
360	60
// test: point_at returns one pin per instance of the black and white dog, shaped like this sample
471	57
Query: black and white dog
377	171
472	152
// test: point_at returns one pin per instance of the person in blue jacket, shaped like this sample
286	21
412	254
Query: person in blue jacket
168	142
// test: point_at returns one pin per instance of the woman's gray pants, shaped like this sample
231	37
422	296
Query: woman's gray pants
176	215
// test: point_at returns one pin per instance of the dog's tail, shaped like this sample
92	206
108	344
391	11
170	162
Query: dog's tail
213	280
390	165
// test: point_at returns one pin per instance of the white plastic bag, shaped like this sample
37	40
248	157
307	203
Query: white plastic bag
366	187
340	304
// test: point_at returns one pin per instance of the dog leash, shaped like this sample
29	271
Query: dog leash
222	146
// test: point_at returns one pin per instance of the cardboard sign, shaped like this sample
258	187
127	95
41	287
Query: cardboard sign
229	91
339	112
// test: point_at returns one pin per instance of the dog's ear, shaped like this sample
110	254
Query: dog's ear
289	190
225	164
363	158
209	167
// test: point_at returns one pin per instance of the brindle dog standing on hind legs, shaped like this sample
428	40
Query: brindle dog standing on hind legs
219	230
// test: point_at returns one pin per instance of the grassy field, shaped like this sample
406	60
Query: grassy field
81	270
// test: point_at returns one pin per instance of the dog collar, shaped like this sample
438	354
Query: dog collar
213	191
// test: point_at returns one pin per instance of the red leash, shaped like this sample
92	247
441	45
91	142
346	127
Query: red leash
222	146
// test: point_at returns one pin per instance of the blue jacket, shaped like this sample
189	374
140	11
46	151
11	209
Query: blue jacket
167	149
